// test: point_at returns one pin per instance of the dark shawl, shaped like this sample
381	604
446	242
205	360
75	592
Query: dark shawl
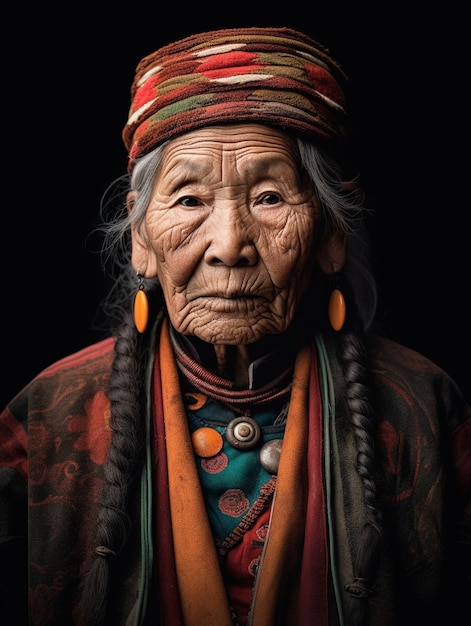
54	437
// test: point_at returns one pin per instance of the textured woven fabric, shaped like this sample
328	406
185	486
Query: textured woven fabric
59	426
275	76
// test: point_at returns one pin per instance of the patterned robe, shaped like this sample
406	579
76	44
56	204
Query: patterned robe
54	437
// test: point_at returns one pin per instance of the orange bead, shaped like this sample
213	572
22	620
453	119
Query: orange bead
337	309
195	400
206	441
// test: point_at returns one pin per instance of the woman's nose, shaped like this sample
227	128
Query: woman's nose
231	239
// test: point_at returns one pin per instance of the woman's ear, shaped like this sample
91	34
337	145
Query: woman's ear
130	199
332	252
143	258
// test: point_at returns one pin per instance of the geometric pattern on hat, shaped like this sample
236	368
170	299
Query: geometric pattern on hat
274	76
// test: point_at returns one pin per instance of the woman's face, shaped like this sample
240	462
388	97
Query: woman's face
229	233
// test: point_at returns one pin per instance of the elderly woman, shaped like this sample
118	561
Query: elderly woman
243	449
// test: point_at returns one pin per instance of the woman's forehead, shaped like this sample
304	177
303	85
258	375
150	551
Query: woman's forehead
257	144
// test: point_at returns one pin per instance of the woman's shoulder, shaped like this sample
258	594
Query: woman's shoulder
96	355
401	372
81	373
388	353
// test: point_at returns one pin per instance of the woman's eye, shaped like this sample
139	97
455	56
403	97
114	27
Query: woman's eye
269	198
189	201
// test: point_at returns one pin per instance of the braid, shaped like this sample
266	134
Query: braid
113	524
367	559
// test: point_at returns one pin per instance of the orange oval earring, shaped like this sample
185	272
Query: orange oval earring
337	309
141	306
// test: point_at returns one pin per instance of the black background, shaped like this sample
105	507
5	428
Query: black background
67	75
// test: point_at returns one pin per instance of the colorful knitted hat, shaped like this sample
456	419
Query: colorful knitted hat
275	76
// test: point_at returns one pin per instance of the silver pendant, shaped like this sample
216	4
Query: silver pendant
243	433
270	454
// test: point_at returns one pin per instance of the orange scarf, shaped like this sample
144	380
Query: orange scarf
287	552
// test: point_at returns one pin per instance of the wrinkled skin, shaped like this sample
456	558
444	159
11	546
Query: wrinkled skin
232	234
